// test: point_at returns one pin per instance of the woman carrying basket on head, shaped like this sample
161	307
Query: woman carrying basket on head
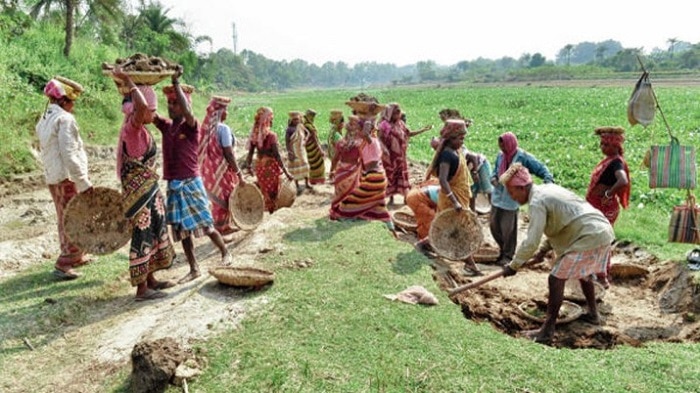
268	162
151	249
366	201
345	166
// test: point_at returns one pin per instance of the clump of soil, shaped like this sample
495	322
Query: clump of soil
154	364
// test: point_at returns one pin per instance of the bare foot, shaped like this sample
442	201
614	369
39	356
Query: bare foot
228	239
190	276
226	260
538	336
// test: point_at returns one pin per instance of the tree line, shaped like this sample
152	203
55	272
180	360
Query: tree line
147	27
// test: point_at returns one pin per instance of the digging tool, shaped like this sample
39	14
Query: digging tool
476	283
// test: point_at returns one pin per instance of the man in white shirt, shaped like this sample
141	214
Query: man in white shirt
65	164
579	234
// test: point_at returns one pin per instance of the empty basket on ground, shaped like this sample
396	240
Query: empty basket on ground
572	291
247	206
242	276
95	222
405	219
486	254
536	311
287	193
455	234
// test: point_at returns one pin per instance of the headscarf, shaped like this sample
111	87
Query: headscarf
510	147
148	94
451	129
294	115
612	136
517	175
386	115
310	114
128	109
215	110
353	126
62	87
171	93
335	117
263	122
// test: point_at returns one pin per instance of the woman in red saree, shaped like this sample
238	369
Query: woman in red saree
217	160
268	162
367	200
610	185
345	167
394	135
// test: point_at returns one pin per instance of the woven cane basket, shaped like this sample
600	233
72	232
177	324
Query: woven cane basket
247	206
455	234
486	254
572	291
94	221
405	219
366	108
287	193
535	311
627	270
142	77
242	276
482	204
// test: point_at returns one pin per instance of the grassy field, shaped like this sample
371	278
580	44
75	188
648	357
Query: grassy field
554	123
328	328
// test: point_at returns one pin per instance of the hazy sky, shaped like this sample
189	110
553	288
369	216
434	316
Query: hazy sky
406	32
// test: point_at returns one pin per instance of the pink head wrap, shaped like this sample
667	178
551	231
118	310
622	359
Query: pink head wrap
510	146
517	176
452	128
148	94
263	122
62	87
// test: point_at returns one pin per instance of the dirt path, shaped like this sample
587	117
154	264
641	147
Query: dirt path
658	306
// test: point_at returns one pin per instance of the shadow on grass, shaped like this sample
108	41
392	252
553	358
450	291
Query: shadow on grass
36	308
409	262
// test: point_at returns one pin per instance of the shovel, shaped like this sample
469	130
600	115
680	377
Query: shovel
476	283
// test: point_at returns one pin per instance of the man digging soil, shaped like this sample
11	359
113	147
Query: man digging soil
579	234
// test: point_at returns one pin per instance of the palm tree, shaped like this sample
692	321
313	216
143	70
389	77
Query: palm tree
100	9
671	45
156	19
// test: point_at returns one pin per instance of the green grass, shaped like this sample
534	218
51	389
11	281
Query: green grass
328	328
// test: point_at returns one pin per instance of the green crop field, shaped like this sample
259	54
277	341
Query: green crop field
554	123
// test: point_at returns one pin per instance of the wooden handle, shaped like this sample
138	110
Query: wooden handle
476	283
